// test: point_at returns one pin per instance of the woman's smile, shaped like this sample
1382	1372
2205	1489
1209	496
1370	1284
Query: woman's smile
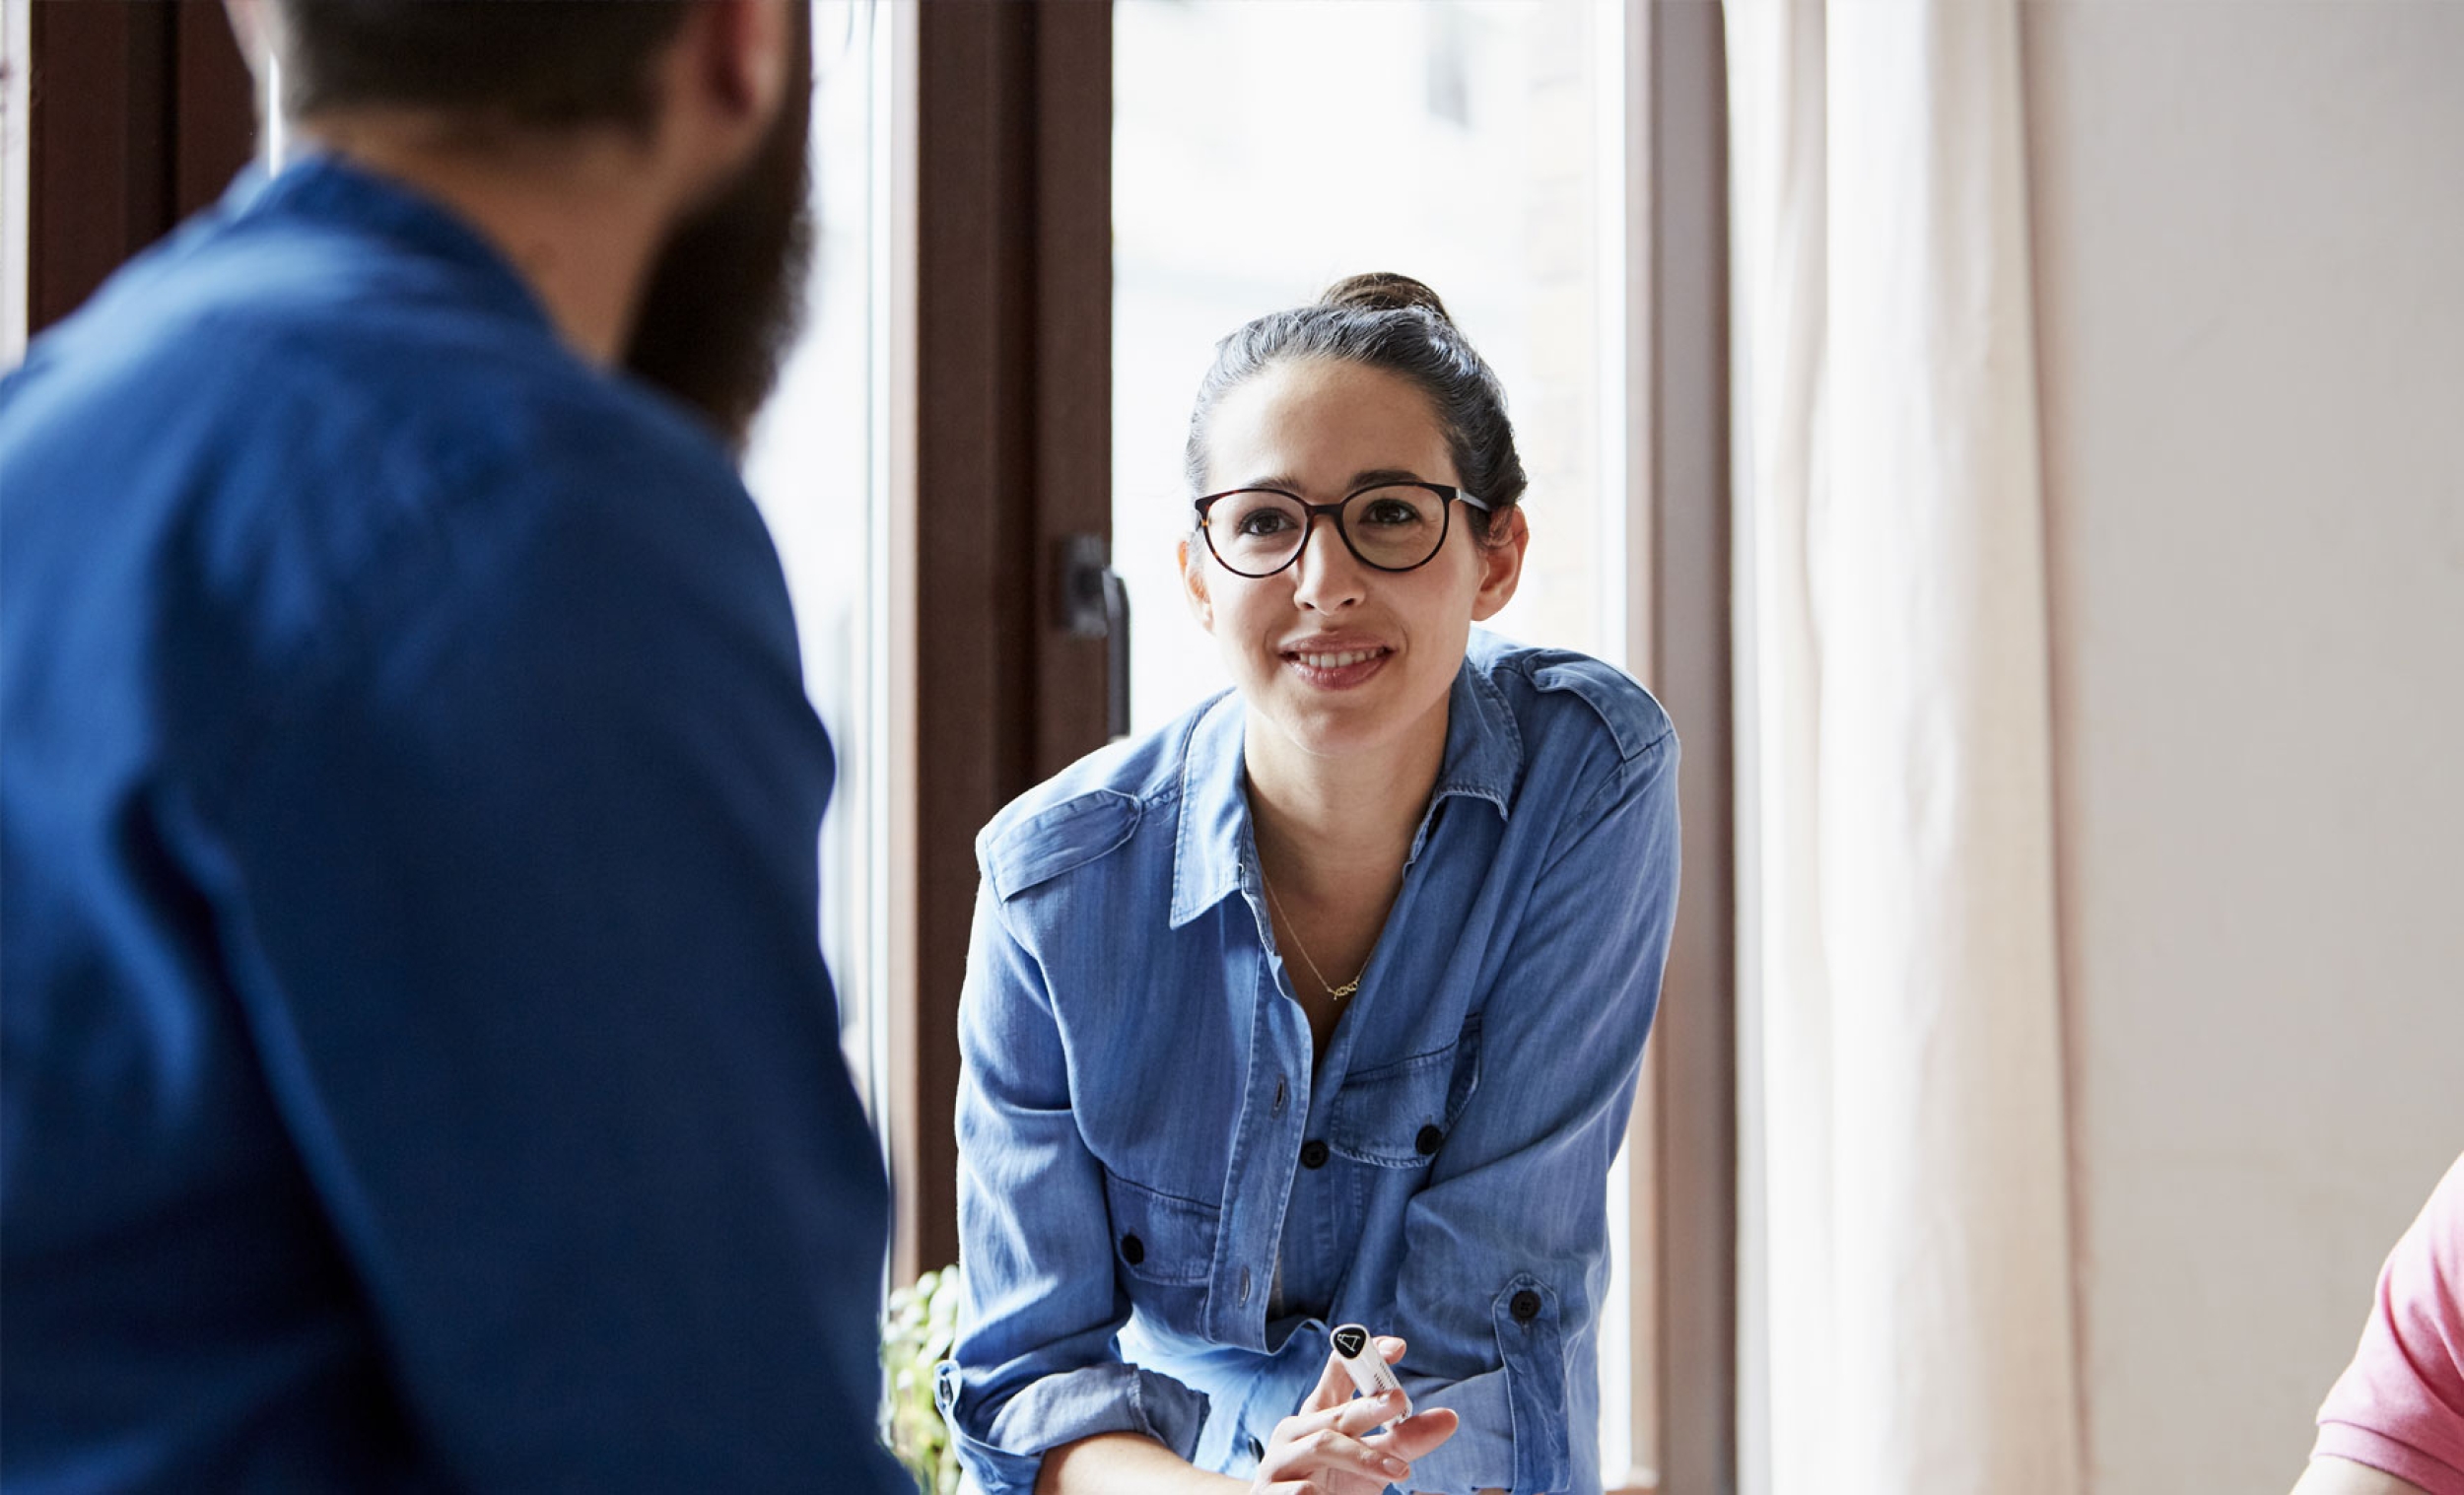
1336	663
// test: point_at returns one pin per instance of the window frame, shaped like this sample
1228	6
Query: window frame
1008	388
138	115
1682	1201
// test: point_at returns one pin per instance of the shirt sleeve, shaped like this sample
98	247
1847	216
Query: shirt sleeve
519	887
1506	1248
2399	1407
1035	1366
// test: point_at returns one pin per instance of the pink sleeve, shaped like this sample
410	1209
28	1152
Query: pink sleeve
2399	1407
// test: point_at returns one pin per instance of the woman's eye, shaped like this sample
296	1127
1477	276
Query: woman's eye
1389	512
1266	521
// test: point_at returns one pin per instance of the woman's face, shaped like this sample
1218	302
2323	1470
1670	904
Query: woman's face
1333	656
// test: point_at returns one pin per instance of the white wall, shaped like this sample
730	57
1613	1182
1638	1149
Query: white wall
2249	221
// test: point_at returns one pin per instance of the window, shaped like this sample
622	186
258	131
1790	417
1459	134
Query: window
1263	151
817	467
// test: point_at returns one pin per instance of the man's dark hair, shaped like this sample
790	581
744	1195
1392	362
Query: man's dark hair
1398	324
538	64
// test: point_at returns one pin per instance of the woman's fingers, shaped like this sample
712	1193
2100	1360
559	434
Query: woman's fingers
1362	1414
1415	1437
1350	1419
1335	1386
1321	1448
1336	1460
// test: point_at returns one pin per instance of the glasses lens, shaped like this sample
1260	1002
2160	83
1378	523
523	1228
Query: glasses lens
1254	532
1397	528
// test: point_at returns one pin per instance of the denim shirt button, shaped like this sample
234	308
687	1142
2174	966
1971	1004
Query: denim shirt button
1428	1140
1132	1250
1313	1153
1525	1305
1257	1449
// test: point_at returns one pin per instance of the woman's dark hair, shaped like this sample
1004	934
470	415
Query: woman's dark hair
1395	324
524	63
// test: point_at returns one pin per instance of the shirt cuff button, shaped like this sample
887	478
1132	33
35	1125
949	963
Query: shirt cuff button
1525	1305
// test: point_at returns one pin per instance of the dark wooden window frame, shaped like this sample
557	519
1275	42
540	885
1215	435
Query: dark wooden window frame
139	114
1011	456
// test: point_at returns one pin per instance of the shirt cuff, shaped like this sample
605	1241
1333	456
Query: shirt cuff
1004	1457
2375	1450
1480	1454
1514	1435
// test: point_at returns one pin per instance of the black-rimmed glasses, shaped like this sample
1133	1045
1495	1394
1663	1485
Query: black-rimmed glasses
1391	526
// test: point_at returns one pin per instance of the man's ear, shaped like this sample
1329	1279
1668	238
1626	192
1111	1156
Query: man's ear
1194	584
738	52
1501	563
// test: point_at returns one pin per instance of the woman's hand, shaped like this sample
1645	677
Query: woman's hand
1326	1448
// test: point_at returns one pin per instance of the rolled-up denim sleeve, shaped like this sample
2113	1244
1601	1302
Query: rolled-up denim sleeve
1034	1366
1506	1248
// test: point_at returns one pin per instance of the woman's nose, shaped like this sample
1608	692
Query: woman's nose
1328	575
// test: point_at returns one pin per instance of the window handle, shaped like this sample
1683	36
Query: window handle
1095	604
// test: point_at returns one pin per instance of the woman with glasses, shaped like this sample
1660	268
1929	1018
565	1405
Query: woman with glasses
1322	1005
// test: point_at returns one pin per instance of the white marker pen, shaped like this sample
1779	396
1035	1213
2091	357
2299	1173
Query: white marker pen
1367	1368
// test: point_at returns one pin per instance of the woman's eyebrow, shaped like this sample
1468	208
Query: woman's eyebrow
1373	476
1369	477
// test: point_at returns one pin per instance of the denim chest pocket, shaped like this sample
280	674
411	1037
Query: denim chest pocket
1157	1236
1399	1115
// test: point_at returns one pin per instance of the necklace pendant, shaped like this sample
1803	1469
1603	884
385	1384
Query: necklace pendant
1345	990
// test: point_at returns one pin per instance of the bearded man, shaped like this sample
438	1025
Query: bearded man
417	1065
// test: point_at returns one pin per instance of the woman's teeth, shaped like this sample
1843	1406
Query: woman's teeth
1337	661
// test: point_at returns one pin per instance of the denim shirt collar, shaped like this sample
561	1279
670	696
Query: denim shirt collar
1216	846
323	187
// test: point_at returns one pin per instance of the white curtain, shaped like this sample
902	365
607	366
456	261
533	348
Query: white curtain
1910	1271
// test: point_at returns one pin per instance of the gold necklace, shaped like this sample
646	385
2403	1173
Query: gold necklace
1334	993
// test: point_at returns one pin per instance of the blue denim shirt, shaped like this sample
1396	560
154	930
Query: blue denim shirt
1162	1208
417	1065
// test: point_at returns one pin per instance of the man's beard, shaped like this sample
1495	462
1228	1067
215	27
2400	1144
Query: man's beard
726	293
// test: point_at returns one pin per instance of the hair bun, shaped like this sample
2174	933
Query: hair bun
1382	290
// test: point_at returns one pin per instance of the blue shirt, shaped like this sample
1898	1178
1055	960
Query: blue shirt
1162	1208
416	1067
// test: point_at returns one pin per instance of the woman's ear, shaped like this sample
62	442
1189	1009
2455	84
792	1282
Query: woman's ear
1501	563
1193	585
